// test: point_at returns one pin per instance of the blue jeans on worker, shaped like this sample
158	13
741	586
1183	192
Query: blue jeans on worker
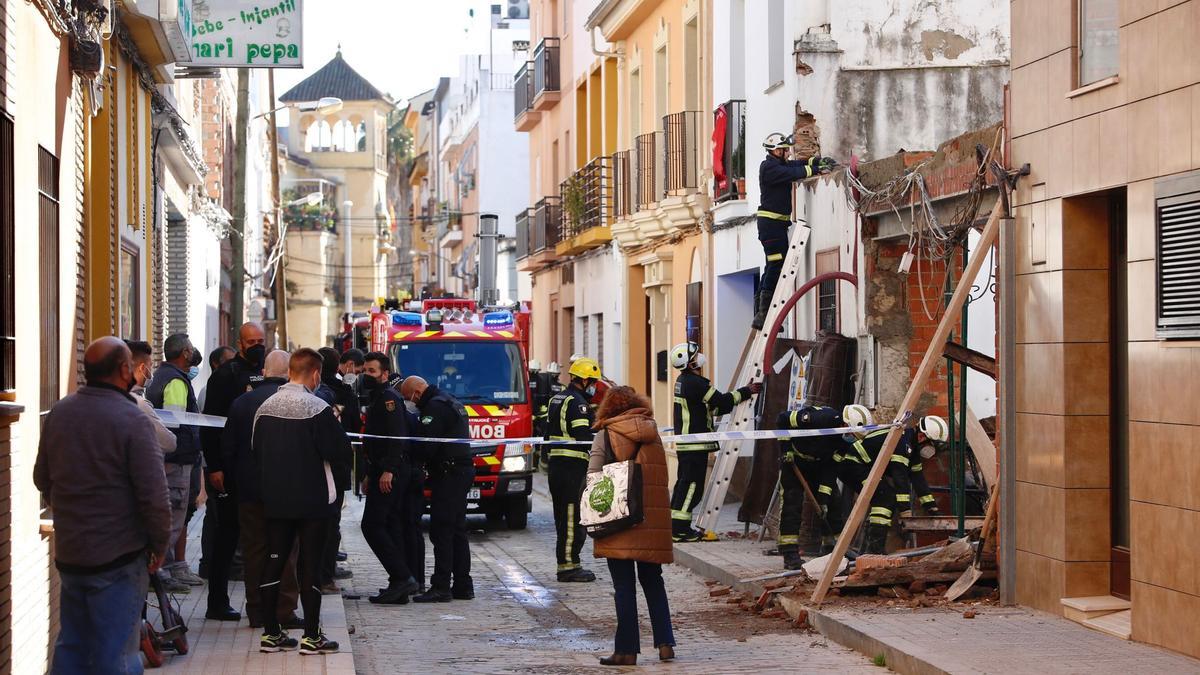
625	575
100	618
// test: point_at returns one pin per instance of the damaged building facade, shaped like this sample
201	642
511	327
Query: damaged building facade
1105	108
859	79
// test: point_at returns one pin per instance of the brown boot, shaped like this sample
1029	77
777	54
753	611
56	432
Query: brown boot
666	653
619	660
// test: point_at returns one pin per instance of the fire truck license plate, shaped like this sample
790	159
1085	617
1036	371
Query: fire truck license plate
473	494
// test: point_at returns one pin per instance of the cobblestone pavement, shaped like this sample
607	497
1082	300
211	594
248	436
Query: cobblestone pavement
522	620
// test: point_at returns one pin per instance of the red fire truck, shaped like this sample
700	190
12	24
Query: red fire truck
479	355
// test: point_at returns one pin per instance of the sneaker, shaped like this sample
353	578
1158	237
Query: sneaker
173	585
342	556
576	575
317	645
276	643
687	537
185	575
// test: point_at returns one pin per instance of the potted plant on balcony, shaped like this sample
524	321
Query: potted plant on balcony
574	203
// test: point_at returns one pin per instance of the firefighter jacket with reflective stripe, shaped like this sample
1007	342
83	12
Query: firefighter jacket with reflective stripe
861	452
697	402
811	448
569	419
775	178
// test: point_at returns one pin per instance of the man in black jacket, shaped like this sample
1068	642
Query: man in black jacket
345	402
304	455
451	472
239	460
776	175
236	377
384	516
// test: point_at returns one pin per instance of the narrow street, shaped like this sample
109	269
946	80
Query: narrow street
522	620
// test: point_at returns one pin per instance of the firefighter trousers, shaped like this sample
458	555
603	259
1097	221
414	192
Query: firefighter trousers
773	235
567	476
689	488
792	496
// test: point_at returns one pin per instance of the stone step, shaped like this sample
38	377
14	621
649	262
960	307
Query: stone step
1116	624
1084	609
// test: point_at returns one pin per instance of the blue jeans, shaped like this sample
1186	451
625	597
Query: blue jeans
100	618
625	580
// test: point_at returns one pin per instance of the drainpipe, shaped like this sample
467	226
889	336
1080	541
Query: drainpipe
619	55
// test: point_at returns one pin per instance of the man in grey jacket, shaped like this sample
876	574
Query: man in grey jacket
100	468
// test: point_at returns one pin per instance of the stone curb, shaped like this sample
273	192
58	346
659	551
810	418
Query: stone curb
898	659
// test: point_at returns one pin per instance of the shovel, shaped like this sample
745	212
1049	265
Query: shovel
975	571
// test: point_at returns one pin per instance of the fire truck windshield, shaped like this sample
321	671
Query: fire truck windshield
472	372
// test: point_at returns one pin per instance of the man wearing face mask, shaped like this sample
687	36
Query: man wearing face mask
697	402
171	389
388	466
569	417
234	378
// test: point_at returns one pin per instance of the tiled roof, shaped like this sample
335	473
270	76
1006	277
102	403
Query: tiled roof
336	79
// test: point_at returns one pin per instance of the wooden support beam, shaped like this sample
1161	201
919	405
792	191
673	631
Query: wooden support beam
915	390
970	358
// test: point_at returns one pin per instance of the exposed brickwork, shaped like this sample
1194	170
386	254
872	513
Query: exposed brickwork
178	290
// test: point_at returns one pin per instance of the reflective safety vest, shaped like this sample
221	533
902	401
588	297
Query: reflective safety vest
569	418
696	403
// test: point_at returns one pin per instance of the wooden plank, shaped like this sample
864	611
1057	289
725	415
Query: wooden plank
970	358
912	397
937	523
982	447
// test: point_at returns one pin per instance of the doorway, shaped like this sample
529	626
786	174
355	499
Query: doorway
1118	416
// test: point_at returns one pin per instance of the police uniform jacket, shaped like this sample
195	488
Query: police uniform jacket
696	403
442	416
569	418
386	416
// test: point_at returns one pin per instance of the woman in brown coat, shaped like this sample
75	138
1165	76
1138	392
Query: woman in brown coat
624	427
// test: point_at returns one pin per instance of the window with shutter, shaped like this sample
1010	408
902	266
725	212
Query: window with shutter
48	274
1177	224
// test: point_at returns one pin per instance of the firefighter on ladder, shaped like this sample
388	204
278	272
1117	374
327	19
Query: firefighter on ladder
696	403
806	468
776	175
570	418
855	459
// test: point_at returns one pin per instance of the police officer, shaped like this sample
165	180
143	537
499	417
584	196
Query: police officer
235	377
570	418
808	459
775	177
451	472
696	403
855	459
384	515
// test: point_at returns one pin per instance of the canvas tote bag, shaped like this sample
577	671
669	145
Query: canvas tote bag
612	497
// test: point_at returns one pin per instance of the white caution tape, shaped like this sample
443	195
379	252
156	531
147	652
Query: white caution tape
173	418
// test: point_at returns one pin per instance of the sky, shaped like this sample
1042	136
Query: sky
401	46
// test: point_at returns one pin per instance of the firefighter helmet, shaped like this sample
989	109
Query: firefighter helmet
535	365
934	428
687	355
585	369
553	368
777	140
856	415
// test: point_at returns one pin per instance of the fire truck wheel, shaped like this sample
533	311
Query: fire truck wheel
517	514
495	515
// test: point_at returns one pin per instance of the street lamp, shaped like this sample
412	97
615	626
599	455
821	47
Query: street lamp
326	106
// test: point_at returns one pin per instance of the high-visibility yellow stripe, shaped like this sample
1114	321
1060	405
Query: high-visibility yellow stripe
927	499
566	452
504	333
681	515
400	335
712	391
825	489
570	529
471	412
491	459
900	459
916	468
687	500
788	539
879	520
902	498
481	333
428	333
685	416
737	397
794	419
493	410
567	567
581	422
763	213
696	447
774	256
881	511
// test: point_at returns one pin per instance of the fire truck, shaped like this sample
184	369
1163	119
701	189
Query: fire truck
478	355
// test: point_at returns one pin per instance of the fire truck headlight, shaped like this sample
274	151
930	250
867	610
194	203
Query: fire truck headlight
517	458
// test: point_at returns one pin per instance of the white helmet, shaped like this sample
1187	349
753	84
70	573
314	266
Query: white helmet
934	428
552	368
687	355
777	140
855	415
535	365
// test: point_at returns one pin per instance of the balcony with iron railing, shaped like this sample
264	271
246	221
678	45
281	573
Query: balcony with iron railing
622	186
729	174
524	116
522	228
546	65
647	170
543	226
587	199
681	132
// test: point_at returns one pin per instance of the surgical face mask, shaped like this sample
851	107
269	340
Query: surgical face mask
193	372
590	390
349	378
698	361
369	382
928	451
411	407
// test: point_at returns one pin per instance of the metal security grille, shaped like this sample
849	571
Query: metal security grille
682	131
522	226
48	273
8	326
1178	260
